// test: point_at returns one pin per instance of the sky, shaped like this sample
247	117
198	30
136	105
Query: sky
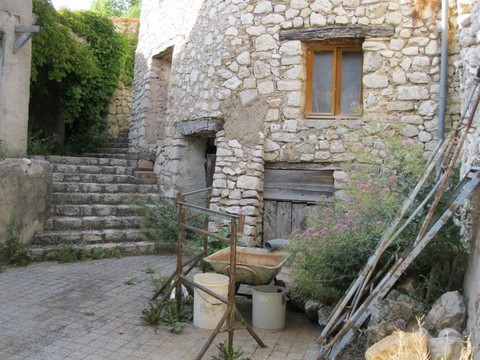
72	4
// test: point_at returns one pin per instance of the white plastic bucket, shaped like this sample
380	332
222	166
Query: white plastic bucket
207	310
269	307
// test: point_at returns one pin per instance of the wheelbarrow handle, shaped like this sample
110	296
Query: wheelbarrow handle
226	271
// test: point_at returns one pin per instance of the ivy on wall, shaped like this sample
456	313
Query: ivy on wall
77	60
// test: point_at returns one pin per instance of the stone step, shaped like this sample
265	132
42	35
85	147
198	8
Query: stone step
112	150
71	160
118	143
99	178
57	237
98	198
94	210
69	187
92	222
109	156
92	169
146	176
50	252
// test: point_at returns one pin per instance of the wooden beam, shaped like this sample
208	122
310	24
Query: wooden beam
302	166
336	32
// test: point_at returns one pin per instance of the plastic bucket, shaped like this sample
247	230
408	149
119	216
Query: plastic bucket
207	310
269	307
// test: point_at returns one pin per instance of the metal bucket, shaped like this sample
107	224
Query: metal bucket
269	307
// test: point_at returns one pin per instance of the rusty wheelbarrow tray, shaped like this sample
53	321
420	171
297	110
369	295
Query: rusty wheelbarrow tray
255	266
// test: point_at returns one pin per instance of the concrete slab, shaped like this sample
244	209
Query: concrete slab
86	310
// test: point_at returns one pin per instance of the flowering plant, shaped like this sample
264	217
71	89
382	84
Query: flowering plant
342	234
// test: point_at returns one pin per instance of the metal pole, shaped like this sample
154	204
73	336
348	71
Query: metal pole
233	280
442	99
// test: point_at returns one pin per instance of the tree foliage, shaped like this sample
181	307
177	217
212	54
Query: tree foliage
77	59
118	8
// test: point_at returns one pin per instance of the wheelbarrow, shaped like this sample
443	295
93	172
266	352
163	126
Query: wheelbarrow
254	266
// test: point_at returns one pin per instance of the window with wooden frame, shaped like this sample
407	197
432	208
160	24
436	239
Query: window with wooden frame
334	80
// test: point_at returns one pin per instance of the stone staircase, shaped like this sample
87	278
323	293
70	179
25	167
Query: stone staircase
93	203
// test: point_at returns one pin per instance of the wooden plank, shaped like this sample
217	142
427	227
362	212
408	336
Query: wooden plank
298	196
312	209
301	187
298	218
284	220
269	220
336	31
301	166
299	176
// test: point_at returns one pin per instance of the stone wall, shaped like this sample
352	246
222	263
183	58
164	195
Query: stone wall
120	110
14	77
469	40
120	107
229	64
25	190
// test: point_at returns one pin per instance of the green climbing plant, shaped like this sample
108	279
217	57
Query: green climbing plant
77	60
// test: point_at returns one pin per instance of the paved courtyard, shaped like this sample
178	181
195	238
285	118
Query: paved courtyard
91	310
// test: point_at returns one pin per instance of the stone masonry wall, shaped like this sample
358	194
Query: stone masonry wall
229	63
120	107
469	40
120	110
14	78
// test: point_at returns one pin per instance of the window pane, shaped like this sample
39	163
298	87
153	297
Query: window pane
322	82
351	82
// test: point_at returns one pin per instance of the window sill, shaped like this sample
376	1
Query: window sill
332	117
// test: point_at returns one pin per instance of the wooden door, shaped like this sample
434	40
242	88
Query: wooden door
281	219
288	195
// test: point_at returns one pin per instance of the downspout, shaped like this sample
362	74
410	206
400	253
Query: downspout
442	100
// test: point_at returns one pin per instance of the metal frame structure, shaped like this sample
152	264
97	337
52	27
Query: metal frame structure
179	277
373	284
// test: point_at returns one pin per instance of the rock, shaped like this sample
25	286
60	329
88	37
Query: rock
377	332
449	332
445	348
448	312
311	309
394	312
324	314
407	345
395	306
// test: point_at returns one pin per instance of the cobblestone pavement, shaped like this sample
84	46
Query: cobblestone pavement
87	310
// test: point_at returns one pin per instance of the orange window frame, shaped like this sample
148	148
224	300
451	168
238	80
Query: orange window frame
335	104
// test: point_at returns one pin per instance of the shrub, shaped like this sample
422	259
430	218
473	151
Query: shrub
16	251
340	237
162	217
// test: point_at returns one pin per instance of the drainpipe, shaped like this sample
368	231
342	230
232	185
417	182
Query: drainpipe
443	72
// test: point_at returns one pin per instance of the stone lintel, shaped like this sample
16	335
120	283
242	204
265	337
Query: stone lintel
206	126
332	32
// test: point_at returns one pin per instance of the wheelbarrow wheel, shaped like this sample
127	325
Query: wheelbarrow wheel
279	282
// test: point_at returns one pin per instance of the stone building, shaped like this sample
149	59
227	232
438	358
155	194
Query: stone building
230	93
233	82
16	27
